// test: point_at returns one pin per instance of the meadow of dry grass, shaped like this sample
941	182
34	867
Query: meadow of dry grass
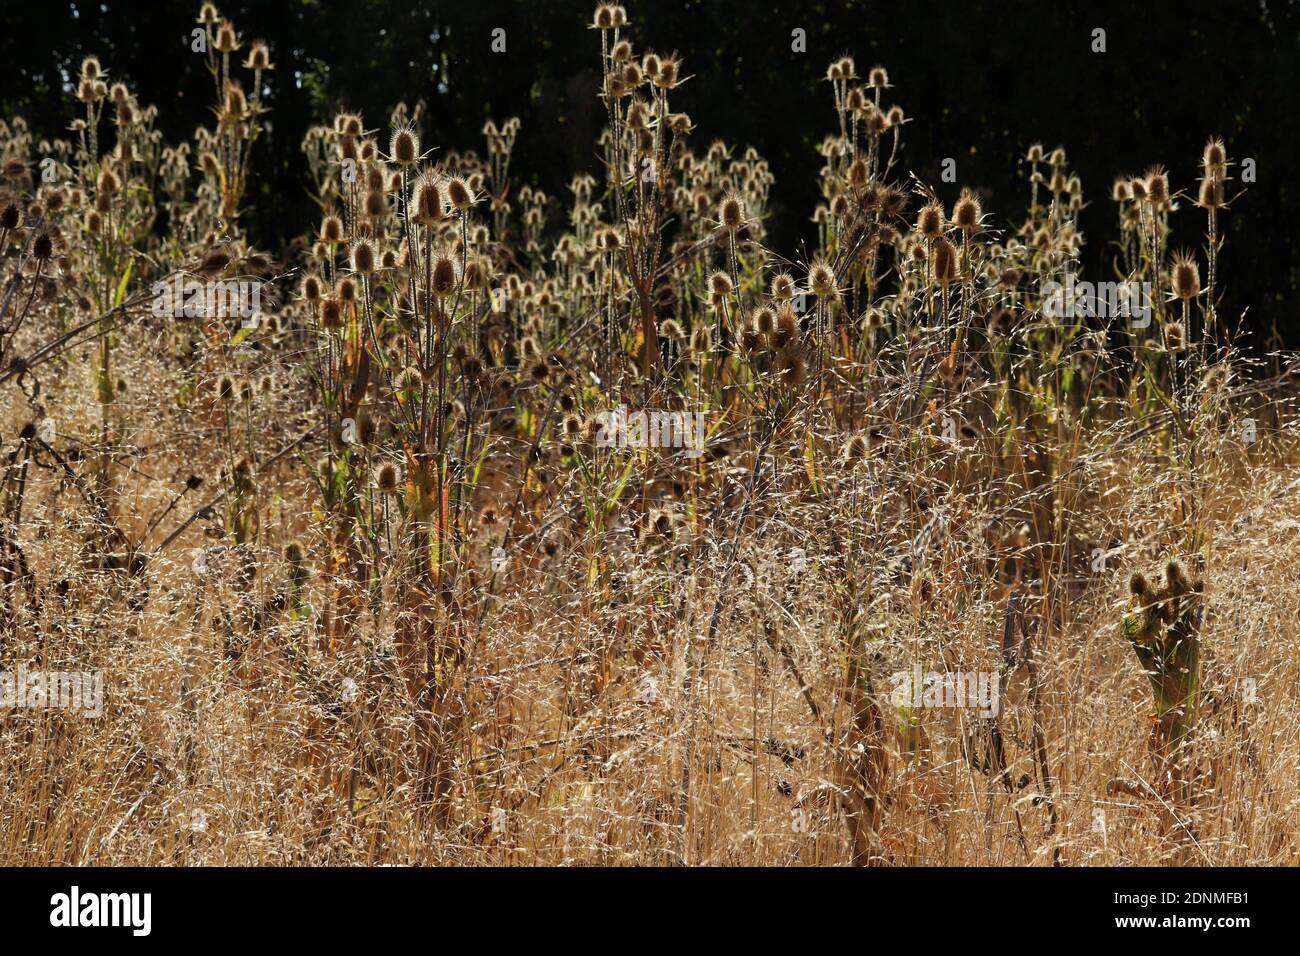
371	578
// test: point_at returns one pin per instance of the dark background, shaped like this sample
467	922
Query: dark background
981	81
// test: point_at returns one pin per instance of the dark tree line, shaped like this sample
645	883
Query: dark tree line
980	80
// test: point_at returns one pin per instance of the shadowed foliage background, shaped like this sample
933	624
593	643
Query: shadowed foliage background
980	81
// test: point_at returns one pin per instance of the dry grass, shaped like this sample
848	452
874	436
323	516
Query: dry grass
414	613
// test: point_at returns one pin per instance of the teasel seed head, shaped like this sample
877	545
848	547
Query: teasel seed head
444	277
459	194
787	328
782	287
428	199
1210	195
731	213
363	257
966	213
331	314
1215	159
943	261
929	222
404	146
259	57
821	280
386	478
1157	185
701	339
226	40
375	205
331	229
791	367
1175	337
1185	278
720	284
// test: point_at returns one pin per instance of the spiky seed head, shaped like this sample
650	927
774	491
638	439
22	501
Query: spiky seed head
404	147
459	194
943	261
603	19
346	289
821	280
363	257
226	388
731	213
331	314
214	261
259	57
765	320
791	367
331	229
782	287
720	283
1035	153
444	275
787	327
1120	190
386	478
1186	277
701	339
1175	337
857	449
376	206
929	222
966	213
43	246
667	78
227	41
311	288
108	184
428	199
1157	183
1210	194
348	124
1215	158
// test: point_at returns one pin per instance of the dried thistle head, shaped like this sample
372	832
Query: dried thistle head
929	222
1185	276
404	146
966	213
943	261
